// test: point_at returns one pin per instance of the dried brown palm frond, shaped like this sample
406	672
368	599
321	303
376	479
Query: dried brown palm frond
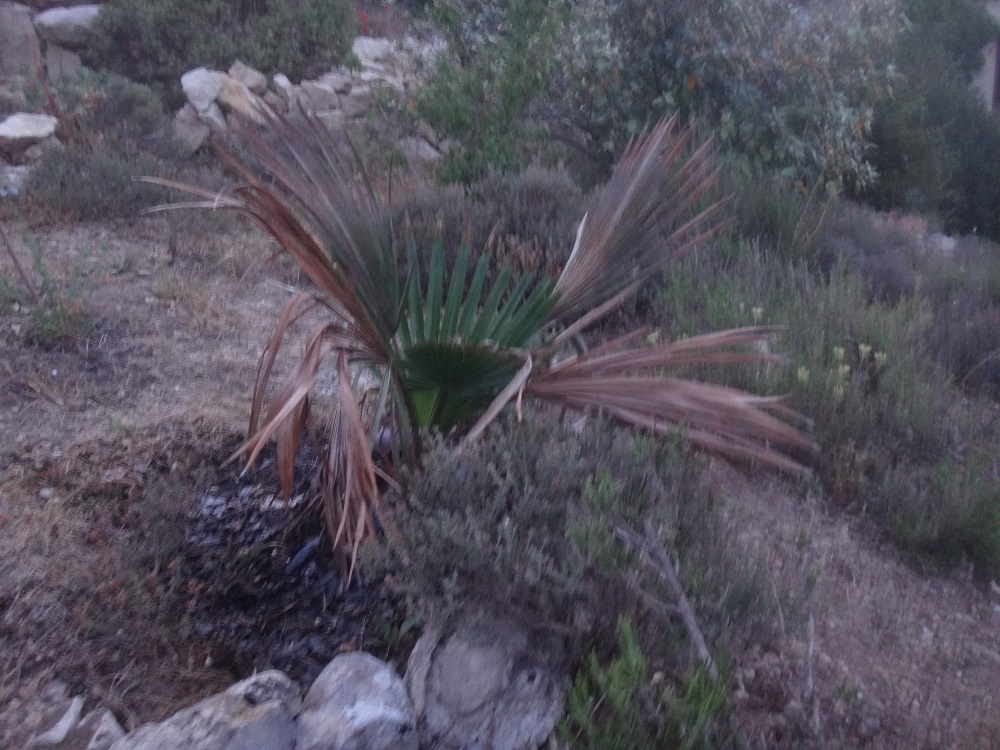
649	214
631	383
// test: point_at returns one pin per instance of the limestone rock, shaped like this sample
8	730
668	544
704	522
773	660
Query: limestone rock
61	63
372	50
418	150
34	154
357	103
358	702
275	102
12	180
19	49
255	714
491	685
98	730
234	96
214	118
252	79
67	27
316	96
284	88
55	734
189	131
201	86
339	80
21	130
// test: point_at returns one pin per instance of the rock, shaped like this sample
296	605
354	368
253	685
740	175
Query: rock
214	118
275	102
383	79
98	730
234	96
357	103
492	685
252	79
316	96
358	702
189	131
284	88
372	50
339	80
12	180
61	63
34	154
417	149
22	130
201	86
67	27
255	714
19	49
57	733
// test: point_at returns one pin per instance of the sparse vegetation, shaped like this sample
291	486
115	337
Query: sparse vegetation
883	335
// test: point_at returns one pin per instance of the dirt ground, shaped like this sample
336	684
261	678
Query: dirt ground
107	439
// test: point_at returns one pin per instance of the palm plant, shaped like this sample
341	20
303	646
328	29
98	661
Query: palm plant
448	351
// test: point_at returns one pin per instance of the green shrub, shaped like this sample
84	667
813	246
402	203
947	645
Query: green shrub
618	706
948	512
866	360
789	88
520	521
81	183
527	220
480	99
155	43
936	145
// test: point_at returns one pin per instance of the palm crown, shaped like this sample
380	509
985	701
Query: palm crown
448	351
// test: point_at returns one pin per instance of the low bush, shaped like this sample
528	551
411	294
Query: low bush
620	706
155	43
527	220
82	183
114	131
523	520
868	359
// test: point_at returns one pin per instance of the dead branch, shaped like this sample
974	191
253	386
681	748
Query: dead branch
17	264
655	556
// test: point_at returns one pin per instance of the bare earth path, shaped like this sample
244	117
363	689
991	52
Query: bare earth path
100	439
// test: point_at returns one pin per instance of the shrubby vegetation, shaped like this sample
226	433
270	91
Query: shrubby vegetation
111	130
156	42
937	149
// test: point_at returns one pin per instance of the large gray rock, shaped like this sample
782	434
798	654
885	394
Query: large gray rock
252	79
317	96
491	685
189	131
22	130
418	150
61	63
372	51
70	28
201	86
19	50
255	714
54	735
98	730
234	96
357	703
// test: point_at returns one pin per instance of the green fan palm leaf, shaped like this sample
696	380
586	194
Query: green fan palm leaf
448	350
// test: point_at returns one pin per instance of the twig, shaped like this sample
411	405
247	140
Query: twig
667	610
656	557
810	686
17	264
